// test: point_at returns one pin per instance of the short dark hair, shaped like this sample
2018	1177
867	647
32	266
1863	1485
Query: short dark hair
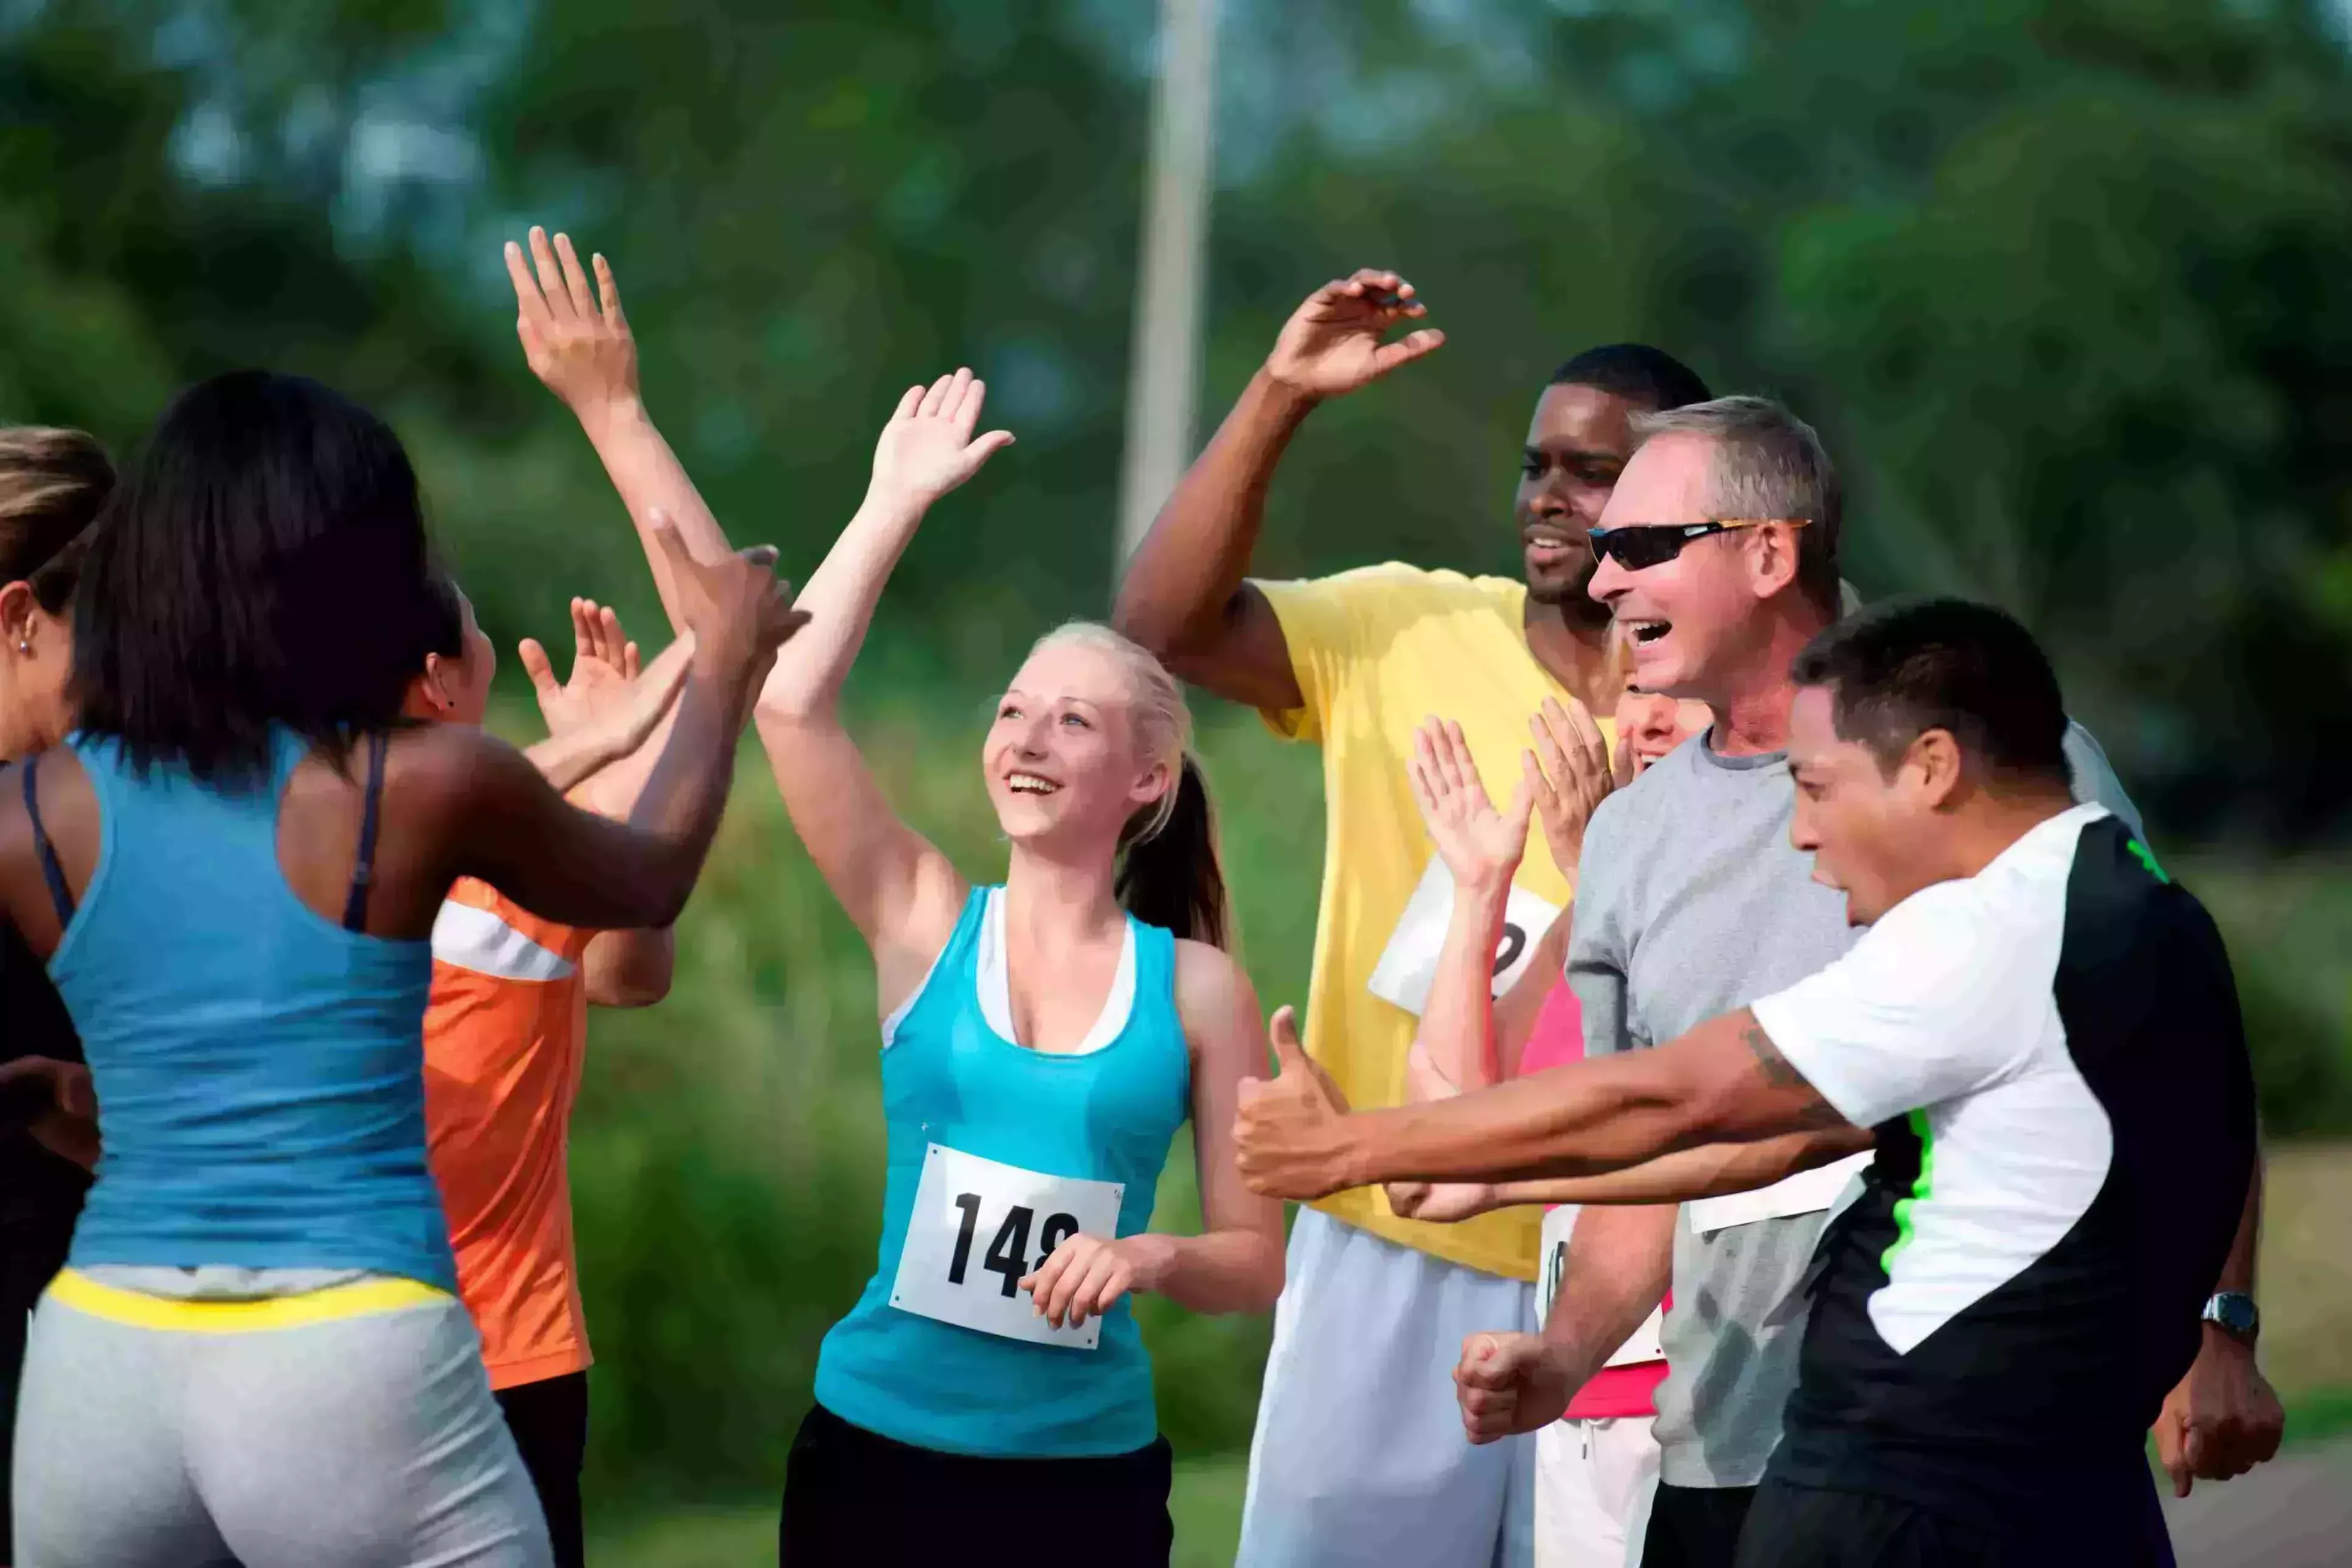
263	562
1647	377
1896	671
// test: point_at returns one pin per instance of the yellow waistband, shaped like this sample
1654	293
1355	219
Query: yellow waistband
141	1311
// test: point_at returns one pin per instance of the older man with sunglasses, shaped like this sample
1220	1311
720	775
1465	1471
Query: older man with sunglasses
1717	552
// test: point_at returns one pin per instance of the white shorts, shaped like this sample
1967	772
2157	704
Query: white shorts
1593	1483
1360	1458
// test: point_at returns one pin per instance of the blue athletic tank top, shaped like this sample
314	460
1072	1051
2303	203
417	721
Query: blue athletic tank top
950	1079
259	1070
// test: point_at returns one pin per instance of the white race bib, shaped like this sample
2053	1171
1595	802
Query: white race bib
1557	1222
979	1228
1409	963
1806	1191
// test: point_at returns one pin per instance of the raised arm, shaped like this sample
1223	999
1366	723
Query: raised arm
494	817
1235	1265
577	341
1456	1047
900	891
607	689
1185	596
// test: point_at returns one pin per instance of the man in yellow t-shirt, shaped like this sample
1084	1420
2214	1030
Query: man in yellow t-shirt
1359	1455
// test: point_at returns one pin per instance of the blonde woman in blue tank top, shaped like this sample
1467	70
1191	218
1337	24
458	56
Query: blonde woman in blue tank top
1043	1041
256	1353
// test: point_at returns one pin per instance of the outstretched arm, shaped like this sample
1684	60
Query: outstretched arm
1185	595
577	341
900	891
1704	1171
1235	1265
1724	1081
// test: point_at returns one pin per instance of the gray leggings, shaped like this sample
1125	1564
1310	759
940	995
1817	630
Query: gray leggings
360	1442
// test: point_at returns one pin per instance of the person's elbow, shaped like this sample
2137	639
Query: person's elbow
631	969
1262	1284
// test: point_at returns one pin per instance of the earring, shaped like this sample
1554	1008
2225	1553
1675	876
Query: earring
25	647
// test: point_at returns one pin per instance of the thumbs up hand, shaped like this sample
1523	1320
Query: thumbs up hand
1291	1133
1508	1383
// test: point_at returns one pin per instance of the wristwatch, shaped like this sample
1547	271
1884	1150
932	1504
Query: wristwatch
2233	1312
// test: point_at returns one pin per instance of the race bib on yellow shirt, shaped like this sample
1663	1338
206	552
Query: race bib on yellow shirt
1409	963
979	1228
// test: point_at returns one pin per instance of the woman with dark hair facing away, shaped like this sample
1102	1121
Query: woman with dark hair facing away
1042	1040
52	483
232	868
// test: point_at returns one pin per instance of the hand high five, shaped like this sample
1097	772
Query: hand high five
928	448
739	610
575	342
1332	344
1479	843
1289	1132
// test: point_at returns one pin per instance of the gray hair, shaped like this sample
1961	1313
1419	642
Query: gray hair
1768	463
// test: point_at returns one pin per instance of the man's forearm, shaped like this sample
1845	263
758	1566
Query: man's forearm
1585	1119
1619	1262
1192	563
1706	1170
2238	1268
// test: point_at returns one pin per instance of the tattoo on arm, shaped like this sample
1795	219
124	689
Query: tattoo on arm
1779	1072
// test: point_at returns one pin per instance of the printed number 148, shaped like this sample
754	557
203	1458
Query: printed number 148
1008	1252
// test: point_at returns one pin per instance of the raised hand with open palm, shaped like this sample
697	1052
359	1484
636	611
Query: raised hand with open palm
1334	342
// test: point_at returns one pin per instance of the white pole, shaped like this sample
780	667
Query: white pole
1163	372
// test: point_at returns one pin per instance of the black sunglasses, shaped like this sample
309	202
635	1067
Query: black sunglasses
1641	545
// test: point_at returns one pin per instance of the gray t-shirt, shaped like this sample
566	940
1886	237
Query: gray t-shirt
1691	902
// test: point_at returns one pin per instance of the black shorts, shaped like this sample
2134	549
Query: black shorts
859	1499
549	1422
1694	1527
1794	1526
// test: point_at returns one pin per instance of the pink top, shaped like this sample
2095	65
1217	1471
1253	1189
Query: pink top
1559	1039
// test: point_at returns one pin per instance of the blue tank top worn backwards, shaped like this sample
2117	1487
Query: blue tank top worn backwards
1081	1131
259	1069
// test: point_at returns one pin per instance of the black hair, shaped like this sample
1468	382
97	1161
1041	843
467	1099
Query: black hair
1171	877
263	562
445	620
1647	377
1896	671
53	484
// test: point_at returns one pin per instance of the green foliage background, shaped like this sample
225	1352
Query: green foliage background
2065	283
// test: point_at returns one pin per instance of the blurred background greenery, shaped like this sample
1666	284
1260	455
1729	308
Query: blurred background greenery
2066	283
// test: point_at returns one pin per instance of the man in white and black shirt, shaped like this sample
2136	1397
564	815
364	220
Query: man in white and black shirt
2039	1026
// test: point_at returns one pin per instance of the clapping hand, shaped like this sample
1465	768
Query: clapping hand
1332	343
1479	845
576	342
928	448
1570	775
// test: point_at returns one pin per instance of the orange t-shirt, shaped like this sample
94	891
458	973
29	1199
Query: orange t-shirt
504	1036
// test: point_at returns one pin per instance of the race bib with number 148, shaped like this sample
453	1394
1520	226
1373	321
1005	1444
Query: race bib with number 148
980	1227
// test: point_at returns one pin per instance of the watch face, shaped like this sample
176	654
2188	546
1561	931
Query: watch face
2232	1311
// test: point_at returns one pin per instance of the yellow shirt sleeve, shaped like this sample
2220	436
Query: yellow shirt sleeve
1329	623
